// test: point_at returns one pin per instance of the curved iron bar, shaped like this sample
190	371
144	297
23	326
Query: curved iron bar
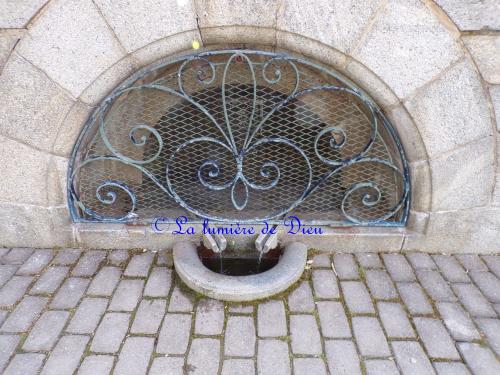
239	155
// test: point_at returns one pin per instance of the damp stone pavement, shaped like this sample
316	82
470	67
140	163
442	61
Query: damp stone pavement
125	312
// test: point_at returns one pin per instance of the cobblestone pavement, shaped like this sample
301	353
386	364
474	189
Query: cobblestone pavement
97	312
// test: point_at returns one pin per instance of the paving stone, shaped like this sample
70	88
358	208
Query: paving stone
309	366
480	360
8	345
411	358
457	321
46	330
451	269
149	316
471	262
66	257
126	295
414	298
421	261
436	286
273	357
50	280
491	328
3	251
209	317
271	319
139	265
346	267
25	364
436	339
180	301
325	284
65	357
381	367
380	284
17	256
3	316
239	339
241	309
493	263
6	272
398	267
357	297
203	358
369	260
167	365
321	261
451	368
174	334
342	357
134	356
70	293
473	300
305	335
110	333
165	258
96	365
395	321
36	262
370	337
24	314
301	299
333	320
488	283
105	281
159	282
87	315
238	367
14	290
89	263
118	257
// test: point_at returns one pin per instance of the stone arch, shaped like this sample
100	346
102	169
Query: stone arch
405	54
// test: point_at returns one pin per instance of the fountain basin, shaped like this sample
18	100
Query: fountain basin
194	274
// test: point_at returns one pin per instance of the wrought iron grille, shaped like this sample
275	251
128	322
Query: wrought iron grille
239	136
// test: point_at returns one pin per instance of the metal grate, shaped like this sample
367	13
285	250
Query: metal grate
239	136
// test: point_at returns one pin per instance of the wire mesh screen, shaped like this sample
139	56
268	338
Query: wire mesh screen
239	136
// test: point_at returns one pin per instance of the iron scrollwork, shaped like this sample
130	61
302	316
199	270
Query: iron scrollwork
236	132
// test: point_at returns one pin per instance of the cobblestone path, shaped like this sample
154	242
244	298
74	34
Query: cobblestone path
102	312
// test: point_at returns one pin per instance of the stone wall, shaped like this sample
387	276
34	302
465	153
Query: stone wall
434	67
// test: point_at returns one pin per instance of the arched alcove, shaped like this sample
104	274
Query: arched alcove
239	136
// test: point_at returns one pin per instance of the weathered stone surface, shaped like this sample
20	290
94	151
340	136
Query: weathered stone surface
24	314
345	266
38	260
14	289
488	283
24	364
338	24
110	333
271	319
74	60
455	124
473	300
273	357
46	330
301	299
421	261
420	46
495	99
66	257
149	316
134	356
321	261
65	357
159	282
240	337
203	358
33	106
96	364
380	284
369	260
491	328
174	334
260	13
16	14
6	272
451	368
451	269
104	283
357	297
411	358
414	298
70	128
325	284
8	344
342	357
307	366
479	359
381	367
464	178
167	365
137	24
485	50
88	263
238	366
457	321
87	315
17	256
333	320
472	15
180	301
472	262
436	339
139	265
8	39
50	280
70	293
398	267
127	295
209	317
395	321
370	337
436	287
305	335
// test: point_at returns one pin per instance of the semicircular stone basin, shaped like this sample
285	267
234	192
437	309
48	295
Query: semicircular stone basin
193	272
